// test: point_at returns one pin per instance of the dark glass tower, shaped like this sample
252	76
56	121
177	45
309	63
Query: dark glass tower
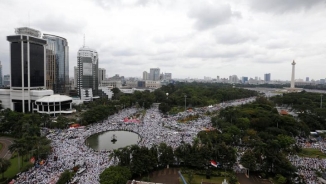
57	59
27	51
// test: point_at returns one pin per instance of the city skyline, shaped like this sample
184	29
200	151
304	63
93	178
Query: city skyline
187	38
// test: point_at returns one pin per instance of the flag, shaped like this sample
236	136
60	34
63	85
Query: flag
213	163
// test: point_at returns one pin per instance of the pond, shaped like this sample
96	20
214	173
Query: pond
103	140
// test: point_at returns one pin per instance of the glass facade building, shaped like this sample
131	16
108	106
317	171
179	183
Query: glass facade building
267	77
27	66
27	61
154	74
57	60
87	75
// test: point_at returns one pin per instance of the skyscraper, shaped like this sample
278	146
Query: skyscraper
145	75
168	76
267	77
307	79
75	76
154	74
87	80
6	80
57	64
101	75
244	80
1	80
27	50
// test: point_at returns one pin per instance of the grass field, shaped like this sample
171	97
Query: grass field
311	153
13	169
200	178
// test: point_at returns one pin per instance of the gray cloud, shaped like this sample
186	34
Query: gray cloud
107	3
124	52
235	37
284	6
60	24
214	52
208	15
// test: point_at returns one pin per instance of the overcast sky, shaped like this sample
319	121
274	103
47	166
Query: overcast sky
189	38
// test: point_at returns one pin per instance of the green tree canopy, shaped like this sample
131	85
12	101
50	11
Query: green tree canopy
115	175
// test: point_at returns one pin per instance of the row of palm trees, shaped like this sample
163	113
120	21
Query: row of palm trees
30	146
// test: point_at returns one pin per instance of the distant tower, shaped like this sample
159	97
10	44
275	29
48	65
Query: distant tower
87	77
1	83
293	74
145	75
154	74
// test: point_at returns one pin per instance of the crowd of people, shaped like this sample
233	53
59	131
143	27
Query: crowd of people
70	150
306	166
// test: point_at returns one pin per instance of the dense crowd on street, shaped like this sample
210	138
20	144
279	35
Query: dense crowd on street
307	167
69	148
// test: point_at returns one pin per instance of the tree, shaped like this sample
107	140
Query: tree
116	93
280	179
115	175
190	177
166	154
4	165
20	147
65	177
249	160
164	107
233	179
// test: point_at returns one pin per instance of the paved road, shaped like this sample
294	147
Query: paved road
6	142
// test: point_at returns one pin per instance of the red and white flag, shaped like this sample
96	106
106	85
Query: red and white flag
213	163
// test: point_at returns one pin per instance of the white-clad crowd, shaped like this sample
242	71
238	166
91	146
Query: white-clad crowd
69	147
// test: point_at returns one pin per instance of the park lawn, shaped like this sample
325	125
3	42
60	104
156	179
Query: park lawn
13	169
311	153
200	178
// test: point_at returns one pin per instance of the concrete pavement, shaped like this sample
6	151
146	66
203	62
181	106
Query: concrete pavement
6	142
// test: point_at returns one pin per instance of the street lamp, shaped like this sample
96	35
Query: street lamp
185	101
167	95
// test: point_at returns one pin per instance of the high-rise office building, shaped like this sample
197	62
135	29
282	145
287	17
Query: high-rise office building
101	75
154	74
27	67
57	64
168	76
87	77
267	77
145	75
233	79
307	79
1	80
6	80
244	80
75	76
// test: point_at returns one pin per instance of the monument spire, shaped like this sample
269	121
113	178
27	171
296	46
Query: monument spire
293	75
